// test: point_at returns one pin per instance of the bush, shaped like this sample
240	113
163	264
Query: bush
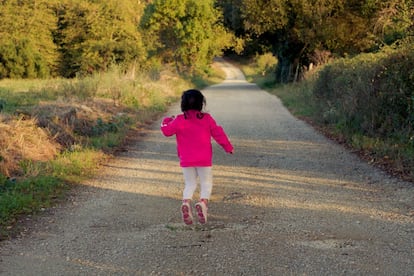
369	101
372	94
266	63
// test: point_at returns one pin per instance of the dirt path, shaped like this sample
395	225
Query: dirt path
288	202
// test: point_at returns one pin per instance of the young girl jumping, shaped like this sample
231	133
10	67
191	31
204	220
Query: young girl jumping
193	130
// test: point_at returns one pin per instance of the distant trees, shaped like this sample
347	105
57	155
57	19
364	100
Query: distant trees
299	31
26	41
188	33
42	38
91	36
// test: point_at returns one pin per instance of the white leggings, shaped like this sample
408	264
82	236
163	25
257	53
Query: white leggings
190	180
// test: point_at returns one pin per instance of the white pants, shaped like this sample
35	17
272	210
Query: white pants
190	180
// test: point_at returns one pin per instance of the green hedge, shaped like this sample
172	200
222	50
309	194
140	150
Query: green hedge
371	94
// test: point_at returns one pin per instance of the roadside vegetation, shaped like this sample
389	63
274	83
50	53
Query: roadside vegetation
365	103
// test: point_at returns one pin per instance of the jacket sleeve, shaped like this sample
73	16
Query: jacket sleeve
217	132
168	126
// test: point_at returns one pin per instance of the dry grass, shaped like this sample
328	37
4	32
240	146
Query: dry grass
45	121
23	140
43	118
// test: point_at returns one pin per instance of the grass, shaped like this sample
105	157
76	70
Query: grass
297	98
26	196
56	133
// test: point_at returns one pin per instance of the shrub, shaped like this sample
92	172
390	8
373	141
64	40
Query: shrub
372	93
266	63
369	100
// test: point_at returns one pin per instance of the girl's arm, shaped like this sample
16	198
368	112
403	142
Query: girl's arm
217	132
168	126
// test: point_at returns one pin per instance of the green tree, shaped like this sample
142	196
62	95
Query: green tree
298	30
26	45
94	35
188	33
395	20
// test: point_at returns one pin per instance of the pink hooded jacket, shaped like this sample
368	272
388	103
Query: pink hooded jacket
193	131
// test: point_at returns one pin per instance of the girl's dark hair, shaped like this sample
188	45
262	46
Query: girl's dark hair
192	100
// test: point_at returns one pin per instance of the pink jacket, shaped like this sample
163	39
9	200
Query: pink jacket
193	135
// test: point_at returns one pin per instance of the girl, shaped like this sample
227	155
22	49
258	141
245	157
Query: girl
193	130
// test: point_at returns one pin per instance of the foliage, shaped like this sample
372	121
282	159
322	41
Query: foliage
93	36
47	38
69	38
370	100
186	32
26	46
266	63
295	30
383	81
395	20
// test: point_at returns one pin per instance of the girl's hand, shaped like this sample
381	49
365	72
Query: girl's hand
167	120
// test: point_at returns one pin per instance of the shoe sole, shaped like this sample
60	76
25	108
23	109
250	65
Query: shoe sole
202	218
187	218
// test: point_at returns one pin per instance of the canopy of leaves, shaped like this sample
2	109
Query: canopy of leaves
296	29
40	38
92	35
186	32
26	44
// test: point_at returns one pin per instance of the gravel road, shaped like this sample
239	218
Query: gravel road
288	202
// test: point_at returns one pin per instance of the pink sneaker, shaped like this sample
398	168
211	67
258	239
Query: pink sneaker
201	208
186	212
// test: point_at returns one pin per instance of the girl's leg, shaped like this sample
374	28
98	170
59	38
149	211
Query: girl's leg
206	181
190	182
206	186
190	185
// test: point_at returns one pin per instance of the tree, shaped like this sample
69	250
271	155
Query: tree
188	33
297	30
26	46
395	20
92	35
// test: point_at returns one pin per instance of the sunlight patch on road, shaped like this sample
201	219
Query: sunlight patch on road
282	189
152	177
268	188
270	178
273	145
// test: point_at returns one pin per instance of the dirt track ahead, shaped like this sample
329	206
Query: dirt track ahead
288	202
